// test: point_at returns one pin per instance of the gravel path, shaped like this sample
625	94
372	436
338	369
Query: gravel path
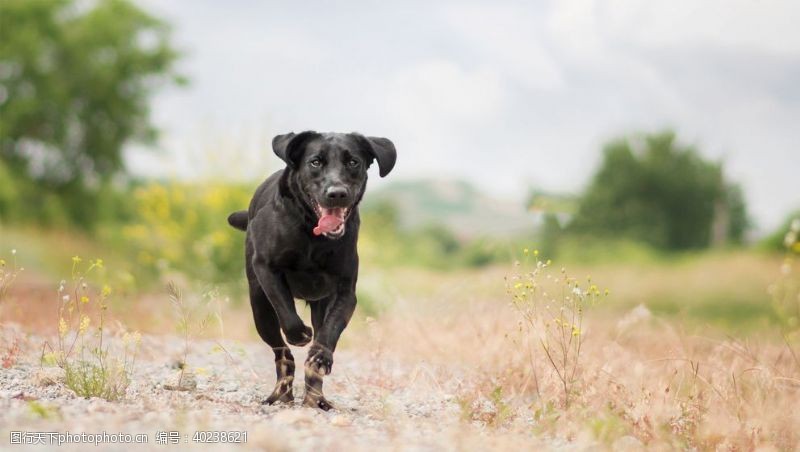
382	404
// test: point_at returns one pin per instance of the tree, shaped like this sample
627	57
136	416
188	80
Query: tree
777	240
656	190
76	80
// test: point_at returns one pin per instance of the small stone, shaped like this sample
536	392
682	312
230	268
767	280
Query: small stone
185	382
48	376
229	387
23	396
341	421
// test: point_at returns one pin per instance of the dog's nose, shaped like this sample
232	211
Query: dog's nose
336	193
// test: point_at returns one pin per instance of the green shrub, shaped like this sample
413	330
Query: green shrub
655	190
777	240
182	227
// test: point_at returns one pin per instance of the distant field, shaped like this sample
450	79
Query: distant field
726	290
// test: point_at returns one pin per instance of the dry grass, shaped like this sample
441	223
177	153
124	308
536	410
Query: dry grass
648	376
642	375
645	379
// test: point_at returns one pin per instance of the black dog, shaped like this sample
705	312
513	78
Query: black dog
302	228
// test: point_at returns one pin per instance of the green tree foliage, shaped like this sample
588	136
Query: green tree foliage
739	222
776	241
656	190
551	233
76	79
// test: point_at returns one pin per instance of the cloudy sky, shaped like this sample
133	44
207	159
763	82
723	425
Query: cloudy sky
508	95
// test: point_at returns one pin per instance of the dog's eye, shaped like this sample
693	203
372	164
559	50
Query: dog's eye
316	163
353	163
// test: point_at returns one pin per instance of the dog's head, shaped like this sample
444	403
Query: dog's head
330	171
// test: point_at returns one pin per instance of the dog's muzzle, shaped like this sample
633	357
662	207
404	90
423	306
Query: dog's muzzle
331	221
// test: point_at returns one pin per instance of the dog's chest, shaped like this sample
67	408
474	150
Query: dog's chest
311	286
310	275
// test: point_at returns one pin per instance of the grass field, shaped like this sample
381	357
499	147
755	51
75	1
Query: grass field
683	352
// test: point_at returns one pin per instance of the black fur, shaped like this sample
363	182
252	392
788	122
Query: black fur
238	220
285	260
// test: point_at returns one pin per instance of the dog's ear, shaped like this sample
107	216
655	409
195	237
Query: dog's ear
289	146
382	150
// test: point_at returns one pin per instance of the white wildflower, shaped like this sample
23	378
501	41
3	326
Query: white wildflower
790	238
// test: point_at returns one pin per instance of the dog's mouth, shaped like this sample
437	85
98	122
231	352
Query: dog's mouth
330	221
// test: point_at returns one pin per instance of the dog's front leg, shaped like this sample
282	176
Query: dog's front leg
320	356
279	295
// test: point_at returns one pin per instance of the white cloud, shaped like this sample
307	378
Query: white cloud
442	92
506	94
767	25
507	38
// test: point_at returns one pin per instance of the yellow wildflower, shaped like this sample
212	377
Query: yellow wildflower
84	324
131	338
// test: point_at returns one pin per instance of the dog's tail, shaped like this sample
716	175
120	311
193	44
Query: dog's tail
238	220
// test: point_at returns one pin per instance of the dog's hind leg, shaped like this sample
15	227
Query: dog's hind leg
270	331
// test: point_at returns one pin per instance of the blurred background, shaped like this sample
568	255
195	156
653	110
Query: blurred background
654	145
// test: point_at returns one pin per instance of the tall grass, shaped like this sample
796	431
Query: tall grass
785	291
93	366
9	344
8	273
551	306
642	378
194	317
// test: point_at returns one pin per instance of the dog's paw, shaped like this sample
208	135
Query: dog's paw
299	335
317	401
281	394
320	357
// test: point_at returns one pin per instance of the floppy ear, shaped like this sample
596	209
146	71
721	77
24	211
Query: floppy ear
382	150
289	146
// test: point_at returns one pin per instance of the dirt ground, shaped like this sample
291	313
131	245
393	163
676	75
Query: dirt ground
388	406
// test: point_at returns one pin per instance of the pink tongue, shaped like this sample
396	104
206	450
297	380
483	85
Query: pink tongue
327	223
